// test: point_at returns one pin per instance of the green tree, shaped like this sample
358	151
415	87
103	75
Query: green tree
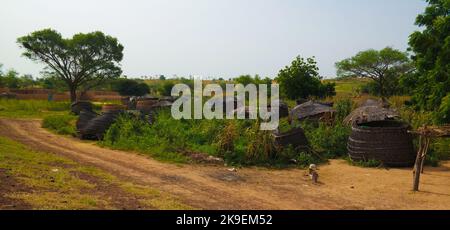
53	82
11	79
384	67
84	61
302	80
431	48
129	87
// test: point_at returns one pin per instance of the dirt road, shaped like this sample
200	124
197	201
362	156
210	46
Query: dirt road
214	187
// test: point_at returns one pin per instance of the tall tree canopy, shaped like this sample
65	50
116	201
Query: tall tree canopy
302	80
431	48
130	87
384	67
84	61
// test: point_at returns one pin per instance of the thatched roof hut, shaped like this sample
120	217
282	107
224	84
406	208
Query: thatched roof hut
370	113
311	109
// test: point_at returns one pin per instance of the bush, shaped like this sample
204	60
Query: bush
167	139
61	124
343	109
329	141
238	142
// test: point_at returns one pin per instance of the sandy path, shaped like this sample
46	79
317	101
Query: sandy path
214	187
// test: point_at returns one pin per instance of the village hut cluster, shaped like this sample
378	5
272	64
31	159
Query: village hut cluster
377	133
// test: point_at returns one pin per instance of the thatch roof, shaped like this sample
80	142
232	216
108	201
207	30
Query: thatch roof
370	113
310	109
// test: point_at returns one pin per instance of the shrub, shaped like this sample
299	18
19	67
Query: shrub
343	109
329	141
238	142
61	124
167	139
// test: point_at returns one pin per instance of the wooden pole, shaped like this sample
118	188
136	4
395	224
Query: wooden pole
417	165
424	154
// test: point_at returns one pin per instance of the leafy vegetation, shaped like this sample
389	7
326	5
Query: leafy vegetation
329	141
431	48
301	80
384	67
84	61
61	124
238	142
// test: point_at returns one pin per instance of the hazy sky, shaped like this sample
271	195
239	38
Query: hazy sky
219	38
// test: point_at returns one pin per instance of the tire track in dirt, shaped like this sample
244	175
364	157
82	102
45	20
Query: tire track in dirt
214	187
193	184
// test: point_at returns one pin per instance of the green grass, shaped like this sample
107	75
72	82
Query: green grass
13	108
63	124
349	86
238	142
52	182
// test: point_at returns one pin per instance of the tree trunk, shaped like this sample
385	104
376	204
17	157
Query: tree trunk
381	83
73	94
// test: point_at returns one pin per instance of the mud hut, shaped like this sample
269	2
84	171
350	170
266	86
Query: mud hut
312	110
386	141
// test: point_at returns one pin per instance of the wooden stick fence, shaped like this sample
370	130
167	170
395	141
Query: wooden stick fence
425	134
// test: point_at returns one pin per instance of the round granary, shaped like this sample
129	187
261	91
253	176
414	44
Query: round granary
386	141
96	127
